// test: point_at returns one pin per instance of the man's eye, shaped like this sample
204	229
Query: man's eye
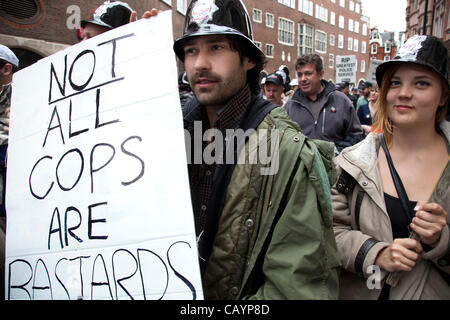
189	50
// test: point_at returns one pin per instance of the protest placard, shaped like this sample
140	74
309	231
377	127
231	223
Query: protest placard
346	67
98	200
371	75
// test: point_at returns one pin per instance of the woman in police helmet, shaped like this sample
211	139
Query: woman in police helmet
391	202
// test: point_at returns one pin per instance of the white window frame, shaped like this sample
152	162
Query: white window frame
268	14
364	29
351	5
342	3
169	2
272	49
387	47
332	40
342	22
283	33
363	65
363	47
357	8
256	13
372	47
331	59
350	24
182	6
341	41
305	39
320	44
350	43
355	45
332	18
356	27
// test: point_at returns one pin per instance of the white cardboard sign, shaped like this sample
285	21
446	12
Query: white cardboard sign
98	200
346	67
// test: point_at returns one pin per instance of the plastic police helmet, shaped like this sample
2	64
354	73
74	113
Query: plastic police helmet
110	15
423	50
216	17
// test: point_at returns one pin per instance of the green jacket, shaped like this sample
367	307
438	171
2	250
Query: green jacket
274	236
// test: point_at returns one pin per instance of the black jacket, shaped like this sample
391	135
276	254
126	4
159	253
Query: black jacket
337	121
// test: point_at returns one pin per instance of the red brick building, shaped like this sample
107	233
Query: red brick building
284	29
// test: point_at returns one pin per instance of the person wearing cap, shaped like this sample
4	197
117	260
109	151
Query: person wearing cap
321	111
373	215
108	16
260	236
365	92
8	65
273	89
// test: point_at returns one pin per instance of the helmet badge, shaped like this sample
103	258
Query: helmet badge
203	11
411	47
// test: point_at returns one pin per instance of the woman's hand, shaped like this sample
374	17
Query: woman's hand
401	255
147	14
428	222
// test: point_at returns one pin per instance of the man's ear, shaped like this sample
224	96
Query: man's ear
249	64
7	69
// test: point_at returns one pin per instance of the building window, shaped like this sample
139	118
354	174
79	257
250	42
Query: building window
321	41
269	50
364	29
331	61
363	47
355	45
387	47
439	20
356	28
363	66
332	40
351	5
342	3
350	24
373	49
350	43
169	2
258	44
306	6
387	58
270	20
257	15
289	3
357	8
340	41
341	22
182	6
286	31
332	18
305	39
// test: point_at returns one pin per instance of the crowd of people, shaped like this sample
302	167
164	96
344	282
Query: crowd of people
362	182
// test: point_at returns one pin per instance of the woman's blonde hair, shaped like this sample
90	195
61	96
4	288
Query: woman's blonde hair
382	122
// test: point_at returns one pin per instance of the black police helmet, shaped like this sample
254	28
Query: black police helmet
110	15
216	17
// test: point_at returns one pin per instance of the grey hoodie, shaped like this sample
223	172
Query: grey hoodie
337	121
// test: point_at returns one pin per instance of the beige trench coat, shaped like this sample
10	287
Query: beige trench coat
360	239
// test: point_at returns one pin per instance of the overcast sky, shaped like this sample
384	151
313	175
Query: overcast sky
387	15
